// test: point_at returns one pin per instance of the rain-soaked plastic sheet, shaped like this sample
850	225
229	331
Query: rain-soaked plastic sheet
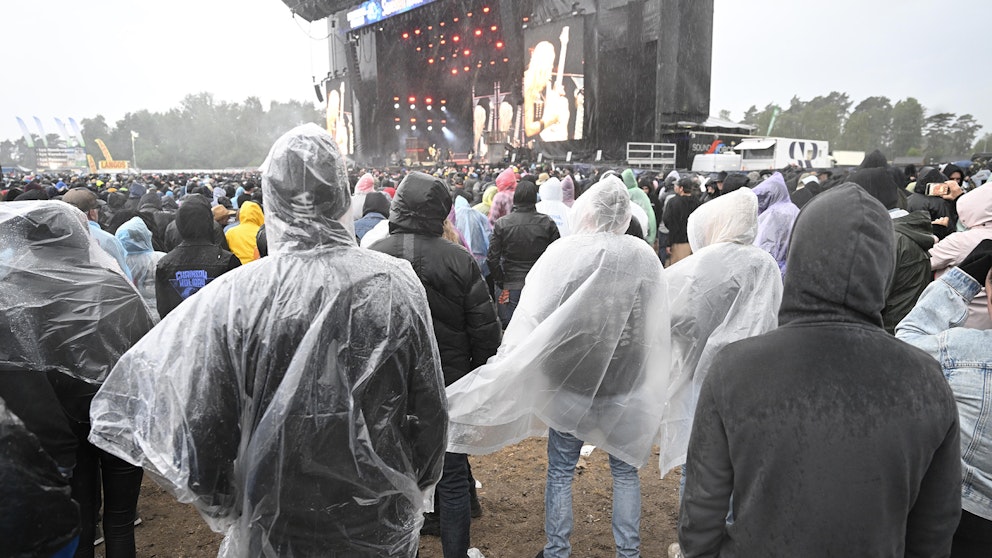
308	416
727	290
64	305
587	351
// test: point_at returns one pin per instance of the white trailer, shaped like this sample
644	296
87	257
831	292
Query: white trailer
767	154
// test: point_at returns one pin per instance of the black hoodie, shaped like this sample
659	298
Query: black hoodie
936	206
519	239
462	311
833	437
195	262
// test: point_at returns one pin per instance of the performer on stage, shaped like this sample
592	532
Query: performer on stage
546	110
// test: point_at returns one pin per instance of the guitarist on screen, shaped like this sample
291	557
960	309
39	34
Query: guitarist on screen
546	109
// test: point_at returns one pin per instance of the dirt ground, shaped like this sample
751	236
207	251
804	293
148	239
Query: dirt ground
512	525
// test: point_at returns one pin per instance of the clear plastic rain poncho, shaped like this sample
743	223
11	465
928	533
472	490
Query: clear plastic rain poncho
64	305
551	205
141	259
308	418
587	352
475	229
727	290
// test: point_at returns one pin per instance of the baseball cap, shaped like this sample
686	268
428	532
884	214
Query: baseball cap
83	198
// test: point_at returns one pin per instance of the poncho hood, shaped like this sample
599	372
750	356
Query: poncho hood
841	260
629	180
975	207
365	185
568	191
732	217
771	191
251	214
550	190
135	236
422	204
506	181
376	202
605	207
305	187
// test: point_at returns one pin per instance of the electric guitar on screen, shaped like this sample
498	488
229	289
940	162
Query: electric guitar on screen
555	101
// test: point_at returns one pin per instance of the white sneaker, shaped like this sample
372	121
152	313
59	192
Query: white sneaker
674	551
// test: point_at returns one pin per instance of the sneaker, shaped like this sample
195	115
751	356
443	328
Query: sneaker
432	525
674	551
98	536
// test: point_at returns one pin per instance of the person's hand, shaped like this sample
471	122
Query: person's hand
942	222
979	262
953	189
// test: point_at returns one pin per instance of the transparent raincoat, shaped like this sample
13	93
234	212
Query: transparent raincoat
141	259
64	304
727	290
309	417
475	230
587	352
551	204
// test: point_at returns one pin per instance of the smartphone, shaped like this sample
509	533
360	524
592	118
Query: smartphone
936	189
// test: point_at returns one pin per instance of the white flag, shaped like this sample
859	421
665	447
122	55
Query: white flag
134	134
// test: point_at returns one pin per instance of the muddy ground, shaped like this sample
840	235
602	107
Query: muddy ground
512	525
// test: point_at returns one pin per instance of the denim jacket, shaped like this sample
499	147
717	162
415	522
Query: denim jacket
965	355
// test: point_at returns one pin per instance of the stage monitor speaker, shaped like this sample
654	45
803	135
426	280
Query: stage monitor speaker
320	94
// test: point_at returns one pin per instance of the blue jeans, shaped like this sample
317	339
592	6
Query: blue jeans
453	506
505	311
563	454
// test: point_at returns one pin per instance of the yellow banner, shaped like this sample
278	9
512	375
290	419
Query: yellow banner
104	150
118	165
92	163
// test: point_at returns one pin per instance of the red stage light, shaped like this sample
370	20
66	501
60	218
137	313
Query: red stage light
441	24
454	55
442	58
466	52
493	28
492	62
413	99
526	19
413	120
396	98
443	41
430	60
454	71
429	27
456	38
416	31
506	60
465	68
428	100
478	32
499	44
397	119
454	19
485	9
469	14
418	49
443	101
406	35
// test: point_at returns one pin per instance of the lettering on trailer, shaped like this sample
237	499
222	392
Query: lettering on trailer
797	152
113	165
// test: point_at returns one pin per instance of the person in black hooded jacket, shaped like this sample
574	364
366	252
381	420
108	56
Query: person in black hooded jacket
942	209
195	262
834	437
914	239
518	240
463	314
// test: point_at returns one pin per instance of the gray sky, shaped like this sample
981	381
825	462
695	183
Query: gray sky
71	58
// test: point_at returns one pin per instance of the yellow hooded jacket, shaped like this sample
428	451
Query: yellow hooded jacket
241	238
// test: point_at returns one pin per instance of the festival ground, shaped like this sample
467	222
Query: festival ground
512	525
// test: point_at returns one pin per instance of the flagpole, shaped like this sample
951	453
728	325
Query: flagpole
134	156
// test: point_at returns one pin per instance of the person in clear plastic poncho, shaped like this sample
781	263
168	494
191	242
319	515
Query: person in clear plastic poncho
587	354
727	290
309	418
141	259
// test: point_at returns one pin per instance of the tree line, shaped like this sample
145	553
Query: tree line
901	129
200	133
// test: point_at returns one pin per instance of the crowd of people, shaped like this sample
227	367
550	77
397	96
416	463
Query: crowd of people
309	353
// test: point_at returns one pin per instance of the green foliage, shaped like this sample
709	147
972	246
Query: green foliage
200	133
875	123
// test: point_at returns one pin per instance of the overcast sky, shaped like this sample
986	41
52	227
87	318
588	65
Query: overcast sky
70	58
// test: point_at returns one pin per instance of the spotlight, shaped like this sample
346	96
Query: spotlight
406	35
396	106
430	128
469	14
466	52
429	107
416	31
430	60
493	28
499	44
413	107
430	27
454	72
413	99
465	68
418	49
456	38
397	126
478	32
454	19
428	100
485	9
445	109
396	98
413	128
443	101
441	24
443	41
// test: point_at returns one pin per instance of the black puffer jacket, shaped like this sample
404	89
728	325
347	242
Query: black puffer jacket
195	262
519	239
936	206
463	313
830	433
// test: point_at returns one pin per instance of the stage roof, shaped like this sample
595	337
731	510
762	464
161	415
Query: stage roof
312	10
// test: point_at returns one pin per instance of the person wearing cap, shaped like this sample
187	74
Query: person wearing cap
307	422
222	215
87	201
